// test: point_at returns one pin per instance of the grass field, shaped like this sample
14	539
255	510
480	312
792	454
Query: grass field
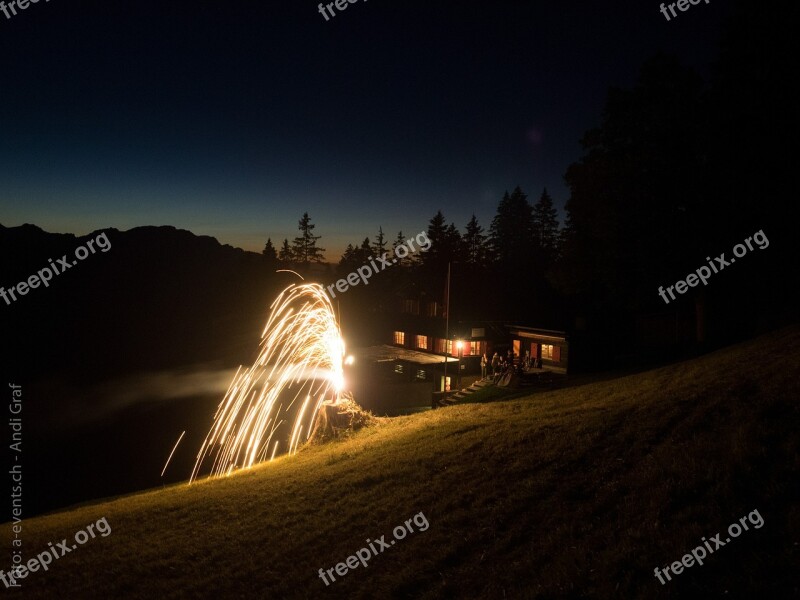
578	493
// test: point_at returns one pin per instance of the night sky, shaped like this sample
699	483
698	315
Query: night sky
232	118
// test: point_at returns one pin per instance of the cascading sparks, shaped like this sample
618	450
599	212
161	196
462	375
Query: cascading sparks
301	349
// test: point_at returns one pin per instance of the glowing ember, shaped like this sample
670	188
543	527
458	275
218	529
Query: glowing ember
301	352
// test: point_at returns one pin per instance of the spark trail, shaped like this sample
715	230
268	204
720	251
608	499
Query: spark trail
302	351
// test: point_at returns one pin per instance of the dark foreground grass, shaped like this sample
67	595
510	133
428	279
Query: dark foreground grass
574	493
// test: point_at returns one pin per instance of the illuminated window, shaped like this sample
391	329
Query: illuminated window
444	346
446	384
400	338
547	351
422	342
432	309
411	307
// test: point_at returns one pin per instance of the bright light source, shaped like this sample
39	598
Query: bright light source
349	360
459	344
301	354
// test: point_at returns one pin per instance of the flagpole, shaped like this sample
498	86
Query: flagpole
446	327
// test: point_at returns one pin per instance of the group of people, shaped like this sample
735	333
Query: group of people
503	365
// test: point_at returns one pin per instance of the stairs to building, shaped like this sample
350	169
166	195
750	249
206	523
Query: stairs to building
465	393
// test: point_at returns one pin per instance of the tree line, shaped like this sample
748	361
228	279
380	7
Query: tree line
520	234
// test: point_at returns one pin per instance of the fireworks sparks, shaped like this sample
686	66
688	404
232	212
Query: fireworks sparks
171	453
298	368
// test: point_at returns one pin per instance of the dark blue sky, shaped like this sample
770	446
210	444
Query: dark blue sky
232	118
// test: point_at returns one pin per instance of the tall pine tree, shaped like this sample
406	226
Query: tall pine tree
436	257
474	243
453	244
349	261
511	236
380	243
286	254
270	255
269	251
364	253
304	246
400	241
545	226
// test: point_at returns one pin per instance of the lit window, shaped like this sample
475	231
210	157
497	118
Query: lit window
446	384
547	351
422	342
400	338
443	346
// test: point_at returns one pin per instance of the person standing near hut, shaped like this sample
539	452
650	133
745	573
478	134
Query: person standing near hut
495	364
484	363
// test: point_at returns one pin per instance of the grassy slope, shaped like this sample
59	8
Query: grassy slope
572	493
